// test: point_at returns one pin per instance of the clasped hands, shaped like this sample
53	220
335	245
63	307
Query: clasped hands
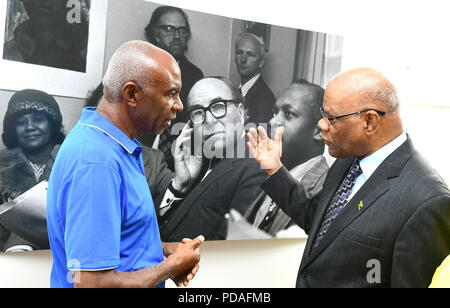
185	257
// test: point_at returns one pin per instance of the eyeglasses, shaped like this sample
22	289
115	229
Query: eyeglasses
217	109
331	119
171	30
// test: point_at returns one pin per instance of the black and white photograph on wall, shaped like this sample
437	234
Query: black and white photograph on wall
262	74
47	32
32	135
236	74
56	45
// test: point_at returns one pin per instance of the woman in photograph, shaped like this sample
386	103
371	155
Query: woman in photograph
32	134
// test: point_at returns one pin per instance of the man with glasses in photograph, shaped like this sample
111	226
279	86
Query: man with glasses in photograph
169	29
224	178
383	217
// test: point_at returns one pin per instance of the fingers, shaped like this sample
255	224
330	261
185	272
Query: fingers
279	134
196	242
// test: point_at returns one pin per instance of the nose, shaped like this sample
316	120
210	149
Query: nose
176	33
243	58
209	118
178	105
323	124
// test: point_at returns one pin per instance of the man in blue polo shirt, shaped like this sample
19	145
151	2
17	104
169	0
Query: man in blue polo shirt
101	220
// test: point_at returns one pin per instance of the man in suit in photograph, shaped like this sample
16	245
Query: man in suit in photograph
170	30
224	179
383	217
250	54
298	111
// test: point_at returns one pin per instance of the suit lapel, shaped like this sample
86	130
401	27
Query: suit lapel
221	169
374	188
335	176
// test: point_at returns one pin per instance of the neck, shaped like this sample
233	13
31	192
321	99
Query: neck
117	114
40	157
392	130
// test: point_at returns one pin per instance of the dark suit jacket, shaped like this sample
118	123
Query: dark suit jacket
156	171
259	103
232	183
402	232
190	74
312	180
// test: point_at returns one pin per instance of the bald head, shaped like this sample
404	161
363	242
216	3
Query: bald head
367	87
134	61
366	106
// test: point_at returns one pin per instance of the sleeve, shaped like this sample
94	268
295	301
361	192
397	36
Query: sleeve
93	218
422	244
292	198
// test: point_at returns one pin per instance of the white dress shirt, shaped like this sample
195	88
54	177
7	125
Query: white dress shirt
370	163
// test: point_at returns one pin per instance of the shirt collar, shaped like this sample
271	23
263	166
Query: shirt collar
247	86
370	163
90	117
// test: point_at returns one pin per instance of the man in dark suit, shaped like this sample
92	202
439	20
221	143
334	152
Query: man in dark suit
250	53
226	180
169	29
383	217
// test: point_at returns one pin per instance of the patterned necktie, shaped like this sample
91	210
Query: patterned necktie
339	201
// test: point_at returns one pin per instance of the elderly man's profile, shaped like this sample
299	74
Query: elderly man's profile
51	33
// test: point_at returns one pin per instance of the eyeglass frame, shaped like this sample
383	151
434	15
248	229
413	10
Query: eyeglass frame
224	101
330	119
175	30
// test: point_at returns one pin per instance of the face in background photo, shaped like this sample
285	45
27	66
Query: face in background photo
217	114
249	56
298	111
169	29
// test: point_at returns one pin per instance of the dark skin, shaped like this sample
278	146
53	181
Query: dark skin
148	109
356	136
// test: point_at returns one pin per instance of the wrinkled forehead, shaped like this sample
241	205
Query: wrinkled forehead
173	18
207	91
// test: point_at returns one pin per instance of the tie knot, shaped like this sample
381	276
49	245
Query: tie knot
355	169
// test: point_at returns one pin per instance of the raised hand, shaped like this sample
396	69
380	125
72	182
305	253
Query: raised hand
187	165
267	152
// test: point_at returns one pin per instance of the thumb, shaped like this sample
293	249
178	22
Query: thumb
196	242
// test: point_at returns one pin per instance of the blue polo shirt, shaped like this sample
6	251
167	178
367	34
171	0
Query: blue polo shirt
100	212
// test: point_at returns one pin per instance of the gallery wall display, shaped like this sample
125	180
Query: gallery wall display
279	72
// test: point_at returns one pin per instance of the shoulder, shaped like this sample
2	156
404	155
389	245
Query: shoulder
261	90
188	67
427	182
87	145
8	157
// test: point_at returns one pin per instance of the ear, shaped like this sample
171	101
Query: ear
261	64
131	93
371	122
317	135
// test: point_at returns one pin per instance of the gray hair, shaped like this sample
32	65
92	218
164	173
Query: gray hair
126	64
259	41
385	95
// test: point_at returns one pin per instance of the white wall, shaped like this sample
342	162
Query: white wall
408	40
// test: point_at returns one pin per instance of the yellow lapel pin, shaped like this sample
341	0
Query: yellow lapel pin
360	205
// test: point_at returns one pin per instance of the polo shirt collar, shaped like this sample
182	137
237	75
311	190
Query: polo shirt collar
90	117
